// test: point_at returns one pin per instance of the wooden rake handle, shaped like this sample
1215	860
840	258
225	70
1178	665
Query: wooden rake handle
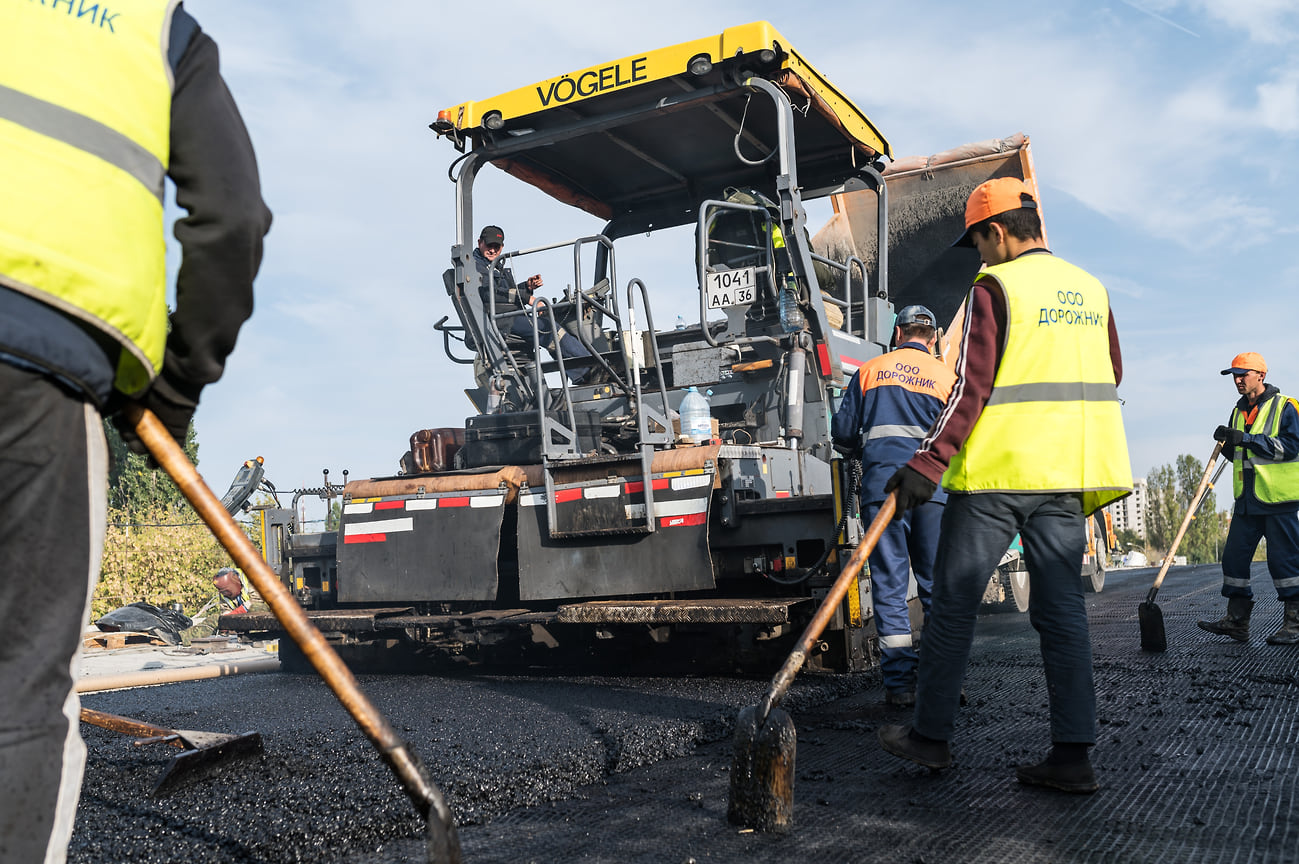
1186	521
797	657
164	449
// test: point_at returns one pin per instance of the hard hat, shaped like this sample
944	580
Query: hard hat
1246	361
992	198
916	315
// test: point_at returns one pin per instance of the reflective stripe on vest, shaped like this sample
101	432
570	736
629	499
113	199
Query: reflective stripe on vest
1275	481
1052	421
85	123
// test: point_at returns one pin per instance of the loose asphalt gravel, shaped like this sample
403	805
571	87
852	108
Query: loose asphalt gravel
1194	755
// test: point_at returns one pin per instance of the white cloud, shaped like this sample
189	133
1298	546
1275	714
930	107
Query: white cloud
1269	21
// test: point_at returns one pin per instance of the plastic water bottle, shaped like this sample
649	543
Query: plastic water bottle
681	323
791	315
696	418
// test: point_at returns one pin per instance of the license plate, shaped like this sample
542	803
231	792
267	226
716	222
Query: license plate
731	288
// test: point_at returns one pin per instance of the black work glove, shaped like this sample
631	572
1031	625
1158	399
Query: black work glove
173	408
912	487
1228	436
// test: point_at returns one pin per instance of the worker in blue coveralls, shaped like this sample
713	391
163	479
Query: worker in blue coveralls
887	409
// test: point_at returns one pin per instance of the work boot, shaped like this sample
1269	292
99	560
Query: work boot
900	698
1289	632
1076	777
1236	622
904	742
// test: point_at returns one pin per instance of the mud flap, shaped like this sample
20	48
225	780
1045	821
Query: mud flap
437	547
673	557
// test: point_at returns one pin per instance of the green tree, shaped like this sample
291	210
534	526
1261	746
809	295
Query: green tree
334	517
1170	489
1128	539
1162	513
1200	543
134	486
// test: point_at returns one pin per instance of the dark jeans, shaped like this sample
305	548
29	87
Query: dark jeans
907	545
53	477
977	530
569	346
1282	533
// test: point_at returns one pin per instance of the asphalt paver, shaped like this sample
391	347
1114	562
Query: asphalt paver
1195	757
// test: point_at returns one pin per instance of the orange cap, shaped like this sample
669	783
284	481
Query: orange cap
992	198
1246	361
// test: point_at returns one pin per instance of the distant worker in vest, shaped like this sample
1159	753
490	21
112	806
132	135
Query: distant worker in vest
236	598
511	297
1032	443
1262	441
887	410
97	108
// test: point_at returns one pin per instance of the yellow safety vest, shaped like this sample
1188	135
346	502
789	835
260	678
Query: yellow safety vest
1274	482
1052	422
85	122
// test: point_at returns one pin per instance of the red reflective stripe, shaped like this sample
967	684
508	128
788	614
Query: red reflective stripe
823	357
682	521
365	538
454	502
390	505
562	495
639	486
780	494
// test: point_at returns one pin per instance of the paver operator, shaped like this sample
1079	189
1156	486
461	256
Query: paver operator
1262	441
510	297
887	410
96	108
1031	442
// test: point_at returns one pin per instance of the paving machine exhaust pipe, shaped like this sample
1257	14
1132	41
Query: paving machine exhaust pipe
442	841
205	753
1149	615
762	763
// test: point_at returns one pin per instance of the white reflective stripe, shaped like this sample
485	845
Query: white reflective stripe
1054	391
668	508
1235	583
1286	583
421	504
74	749
896	431
680	508
380	526
694	481
612	491
357	509
902	641
533	499
85	134
486	500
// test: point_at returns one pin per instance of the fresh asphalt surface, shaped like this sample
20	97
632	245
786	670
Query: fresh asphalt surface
1195	756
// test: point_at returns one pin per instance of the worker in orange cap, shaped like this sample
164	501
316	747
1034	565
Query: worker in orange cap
1031	443
1262	441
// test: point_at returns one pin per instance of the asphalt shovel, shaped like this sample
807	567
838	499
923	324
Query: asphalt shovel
1148	613
442	841
762	763
204	753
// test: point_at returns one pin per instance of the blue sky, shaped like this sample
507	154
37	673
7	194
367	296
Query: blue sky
1165	136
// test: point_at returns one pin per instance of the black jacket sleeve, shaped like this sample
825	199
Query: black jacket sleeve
215	172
